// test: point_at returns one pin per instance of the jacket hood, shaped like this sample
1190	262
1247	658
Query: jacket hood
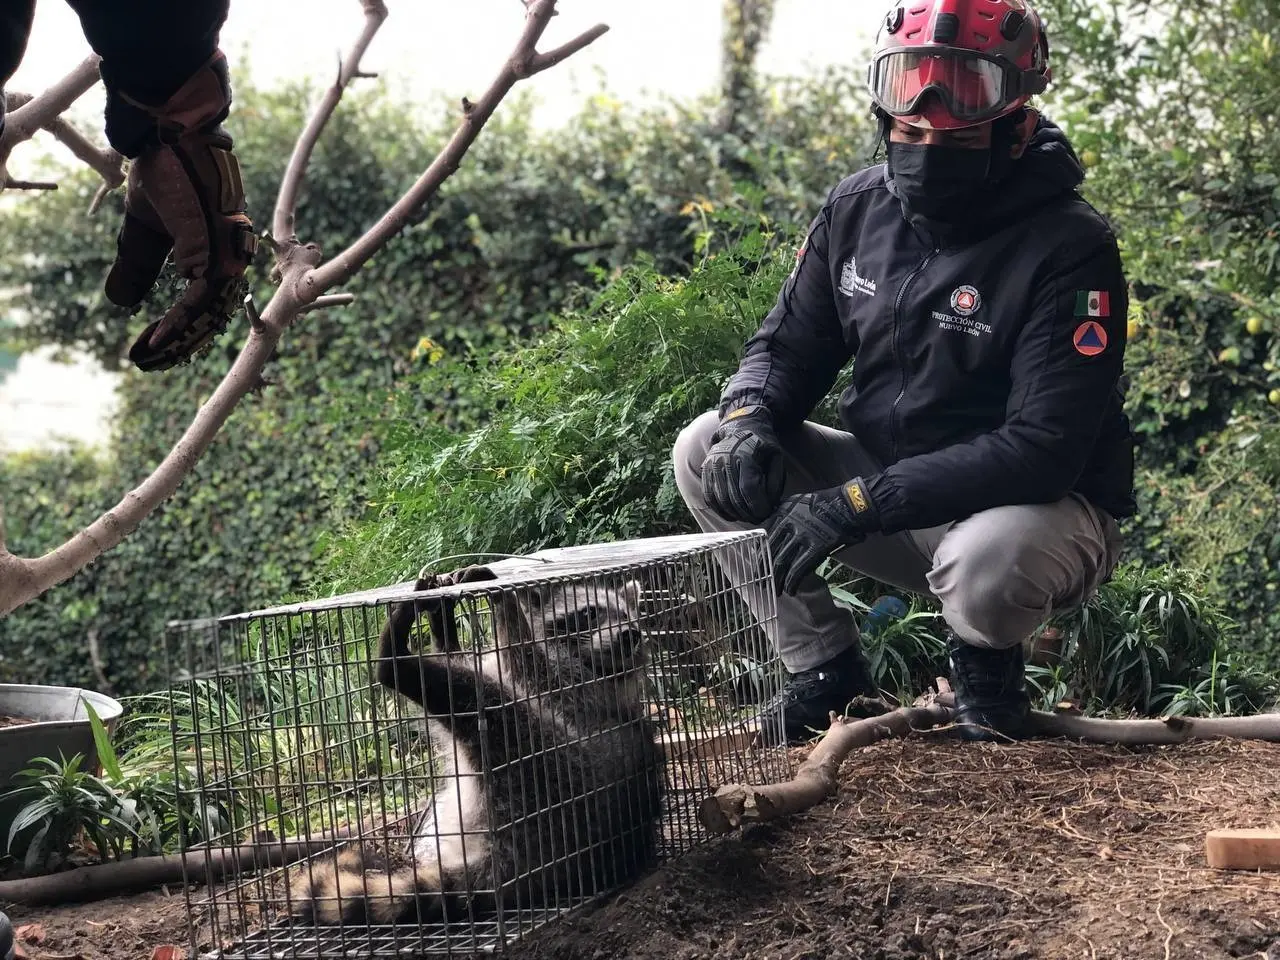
1047	169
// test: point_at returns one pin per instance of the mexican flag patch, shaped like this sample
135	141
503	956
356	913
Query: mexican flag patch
1093	303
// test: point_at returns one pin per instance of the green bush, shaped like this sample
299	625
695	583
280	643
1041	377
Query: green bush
579	449
529	225
1174	109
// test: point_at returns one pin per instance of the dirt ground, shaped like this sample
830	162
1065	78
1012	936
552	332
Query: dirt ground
931	850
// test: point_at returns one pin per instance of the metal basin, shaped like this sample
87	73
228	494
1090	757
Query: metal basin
58	727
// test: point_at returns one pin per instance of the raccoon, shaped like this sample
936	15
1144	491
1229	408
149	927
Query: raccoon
555	795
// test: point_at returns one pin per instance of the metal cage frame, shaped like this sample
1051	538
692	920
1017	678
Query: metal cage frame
289	747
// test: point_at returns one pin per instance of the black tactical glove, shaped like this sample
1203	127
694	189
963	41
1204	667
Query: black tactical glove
809	527
743	473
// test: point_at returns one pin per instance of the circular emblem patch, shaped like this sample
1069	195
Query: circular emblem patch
1090	338
965	300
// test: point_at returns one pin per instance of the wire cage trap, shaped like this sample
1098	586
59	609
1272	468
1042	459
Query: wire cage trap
439	767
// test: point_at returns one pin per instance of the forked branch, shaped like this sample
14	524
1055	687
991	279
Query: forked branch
524	62
43	109
734	805
105	161
302	283
282	224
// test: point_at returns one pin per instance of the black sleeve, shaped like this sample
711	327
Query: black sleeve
791	362
1065	371
149	48
15	29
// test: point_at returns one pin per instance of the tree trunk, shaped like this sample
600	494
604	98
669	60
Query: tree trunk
746	24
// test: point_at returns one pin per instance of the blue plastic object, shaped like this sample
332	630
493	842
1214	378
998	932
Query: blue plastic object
883	611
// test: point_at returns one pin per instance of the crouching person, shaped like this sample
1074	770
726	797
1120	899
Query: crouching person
985	457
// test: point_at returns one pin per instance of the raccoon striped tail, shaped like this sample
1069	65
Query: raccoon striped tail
349	890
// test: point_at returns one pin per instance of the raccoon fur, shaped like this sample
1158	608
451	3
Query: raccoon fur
558	793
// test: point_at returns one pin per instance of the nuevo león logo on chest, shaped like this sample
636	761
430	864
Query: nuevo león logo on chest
851	282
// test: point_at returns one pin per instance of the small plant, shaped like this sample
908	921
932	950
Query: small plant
905	652
1148	631
64	806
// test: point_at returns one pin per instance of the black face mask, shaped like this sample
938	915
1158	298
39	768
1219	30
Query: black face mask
938	182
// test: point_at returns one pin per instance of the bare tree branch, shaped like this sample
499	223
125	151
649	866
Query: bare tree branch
107	162
41	110
301	285
734	804
330	300
524	62
11	184
99	667
282	226
544	61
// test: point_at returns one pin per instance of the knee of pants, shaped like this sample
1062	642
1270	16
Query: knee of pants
990	580
688	452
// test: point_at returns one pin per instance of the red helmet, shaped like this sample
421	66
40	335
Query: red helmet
981	59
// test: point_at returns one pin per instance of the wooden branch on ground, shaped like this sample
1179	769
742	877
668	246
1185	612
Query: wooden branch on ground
1170	730
302	281
733	805
115	878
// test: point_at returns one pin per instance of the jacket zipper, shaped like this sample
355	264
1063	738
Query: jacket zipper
902	367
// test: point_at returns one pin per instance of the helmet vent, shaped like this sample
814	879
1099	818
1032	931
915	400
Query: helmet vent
947	28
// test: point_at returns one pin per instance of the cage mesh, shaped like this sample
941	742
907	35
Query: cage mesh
439	767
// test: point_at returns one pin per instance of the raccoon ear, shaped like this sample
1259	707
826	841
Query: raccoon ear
631	591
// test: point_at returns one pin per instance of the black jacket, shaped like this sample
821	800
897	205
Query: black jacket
980	374
149	49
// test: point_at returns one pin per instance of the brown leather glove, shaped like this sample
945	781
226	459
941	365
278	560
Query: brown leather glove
185	195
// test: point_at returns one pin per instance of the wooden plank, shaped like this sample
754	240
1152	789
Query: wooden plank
1243	849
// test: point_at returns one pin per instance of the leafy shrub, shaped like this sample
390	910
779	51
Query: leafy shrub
531	223
1172	109
65	805
578	447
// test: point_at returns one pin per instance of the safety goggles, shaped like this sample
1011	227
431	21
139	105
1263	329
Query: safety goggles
972	86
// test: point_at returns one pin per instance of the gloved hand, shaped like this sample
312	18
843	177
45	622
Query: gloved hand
743	472
809	527
185	194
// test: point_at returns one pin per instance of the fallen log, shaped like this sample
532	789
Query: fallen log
734	804
207	865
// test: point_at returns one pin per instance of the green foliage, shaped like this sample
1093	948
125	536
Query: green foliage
1176	108
63	805
1149	637
579	450
529	225
1152	641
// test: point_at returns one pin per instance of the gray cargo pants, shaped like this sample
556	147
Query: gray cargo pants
997	574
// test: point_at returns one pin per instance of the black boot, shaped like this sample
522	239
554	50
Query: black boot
802	708
990	691
6	938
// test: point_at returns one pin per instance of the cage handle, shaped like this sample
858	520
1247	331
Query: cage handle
477	553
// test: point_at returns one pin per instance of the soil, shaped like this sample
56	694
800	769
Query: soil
931	850
15	721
